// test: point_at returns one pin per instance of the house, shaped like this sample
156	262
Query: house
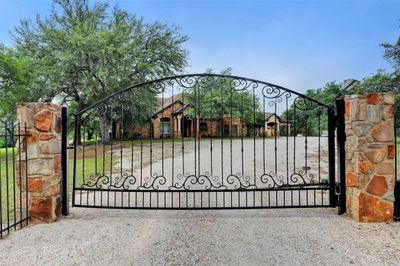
170	121
273	124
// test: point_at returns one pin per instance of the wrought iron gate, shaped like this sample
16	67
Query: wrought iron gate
397	169
14	213
204	141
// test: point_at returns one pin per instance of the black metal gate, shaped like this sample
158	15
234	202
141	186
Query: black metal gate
205	141
14	213
397	175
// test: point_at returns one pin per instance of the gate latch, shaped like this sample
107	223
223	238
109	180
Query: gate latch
337	189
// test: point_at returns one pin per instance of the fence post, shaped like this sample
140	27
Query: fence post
64	161
370	156
397	182
331	159
341	138
43	125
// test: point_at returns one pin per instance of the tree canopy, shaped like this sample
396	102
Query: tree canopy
82	53
313	121
215	97
14	83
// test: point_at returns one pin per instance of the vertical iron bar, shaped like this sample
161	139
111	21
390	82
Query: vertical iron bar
7	188
26	174
254	138
1	204
64	160
13	175
77	122
331	157
397	183
341	139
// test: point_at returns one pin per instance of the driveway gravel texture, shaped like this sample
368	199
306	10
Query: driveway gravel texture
204	237
218	237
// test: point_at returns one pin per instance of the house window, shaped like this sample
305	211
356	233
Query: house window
234	130
226	130
165	128
203	126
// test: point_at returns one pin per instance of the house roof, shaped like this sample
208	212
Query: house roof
268	115
180	110
280	119
165	103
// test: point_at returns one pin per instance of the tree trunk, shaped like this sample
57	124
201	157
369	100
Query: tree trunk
78	135
90	135
104	127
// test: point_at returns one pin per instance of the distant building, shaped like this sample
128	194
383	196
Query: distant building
171	121
273	124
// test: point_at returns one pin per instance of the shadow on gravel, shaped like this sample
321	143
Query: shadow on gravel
90	214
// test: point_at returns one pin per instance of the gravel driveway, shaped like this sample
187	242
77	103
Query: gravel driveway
233	237
204	237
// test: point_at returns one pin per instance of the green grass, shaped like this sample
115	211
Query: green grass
7	177
12	190
89	170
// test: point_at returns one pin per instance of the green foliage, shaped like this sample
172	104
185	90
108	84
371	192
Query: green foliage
381	82
215	97
82	53
14	83
392	54
315	120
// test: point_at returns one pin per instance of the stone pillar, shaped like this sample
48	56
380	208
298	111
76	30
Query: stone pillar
43	122
370	156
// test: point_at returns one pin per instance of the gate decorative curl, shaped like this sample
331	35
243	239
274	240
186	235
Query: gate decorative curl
204	141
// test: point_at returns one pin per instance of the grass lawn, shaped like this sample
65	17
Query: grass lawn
89	169
8	187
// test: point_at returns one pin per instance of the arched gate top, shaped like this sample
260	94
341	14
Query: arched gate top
241	82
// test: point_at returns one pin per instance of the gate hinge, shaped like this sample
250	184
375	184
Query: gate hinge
337	189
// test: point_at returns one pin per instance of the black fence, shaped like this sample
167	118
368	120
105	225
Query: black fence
14	200
397	168
205	142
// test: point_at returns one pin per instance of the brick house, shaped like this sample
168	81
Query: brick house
170	121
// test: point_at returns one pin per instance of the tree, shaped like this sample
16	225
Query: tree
381	82
14	83
312	121
83	53
392	54
215	97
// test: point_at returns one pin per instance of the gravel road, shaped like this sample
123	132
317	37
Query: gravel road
233	237
205	237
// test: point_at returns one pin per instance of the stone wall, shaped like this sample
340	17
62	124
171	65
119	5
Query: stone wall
370	156
43	122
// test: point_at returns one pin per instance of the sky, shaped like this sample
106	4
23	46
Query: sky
296	44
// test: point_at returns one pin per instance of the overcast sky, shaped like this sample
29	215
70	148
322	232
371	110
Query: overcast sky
296	44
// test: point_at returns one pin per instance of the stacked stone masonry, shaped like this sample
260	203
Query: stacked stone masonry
370	156
43	123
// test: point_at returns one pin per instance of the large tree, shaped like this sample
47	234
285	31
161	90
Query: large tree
314	120
392	54
216	97
84	52
14	83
